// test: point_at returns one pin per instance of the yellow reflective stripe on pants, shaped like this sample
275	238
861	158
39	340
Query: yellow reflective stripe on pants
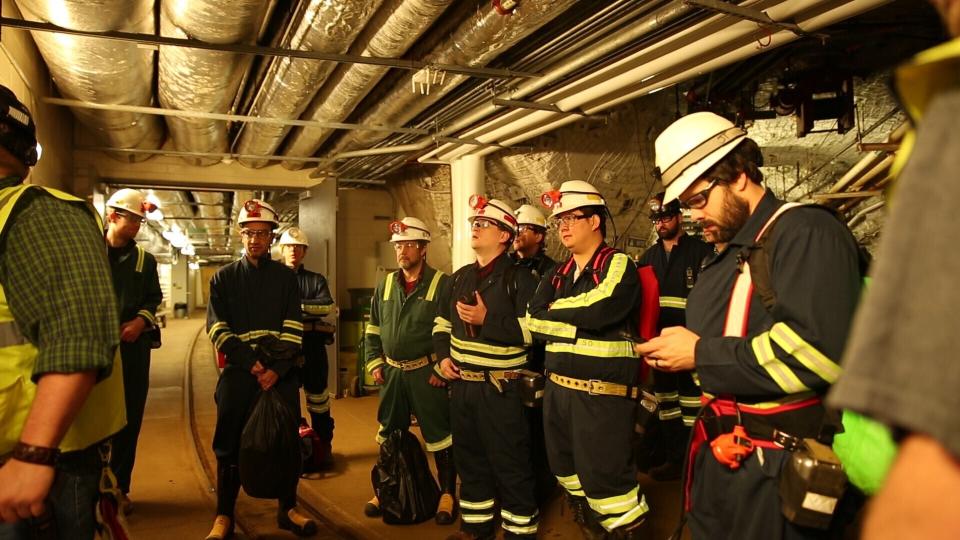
551	328
519	520
666	396
781	374
593	347
615	271
475	518
806	354
571	484
626	518
669	414
372	329
481	505
617	504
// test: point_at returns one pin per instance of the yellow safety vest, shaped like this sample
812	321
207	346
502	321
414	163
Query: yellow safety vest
103	413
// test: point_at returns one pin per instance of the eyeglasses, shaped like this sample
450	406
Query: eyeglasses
249	233
482	224
699	199
400	246
129	216
567	220
662	219
524	228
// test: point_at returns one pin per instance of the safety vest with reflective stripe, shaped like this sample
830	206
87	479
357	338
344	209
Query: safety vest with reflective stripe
103	413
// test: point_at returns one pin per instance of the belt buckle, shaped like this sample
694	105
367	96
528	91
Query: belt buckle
593	383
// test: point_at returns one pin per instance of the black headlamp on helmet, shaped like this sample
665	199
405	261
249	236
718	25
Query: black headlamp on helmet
18	134
658	210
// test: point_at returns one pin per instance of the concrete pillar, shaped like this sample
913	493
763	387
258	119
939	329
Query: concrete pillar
468	175
180	284
318	218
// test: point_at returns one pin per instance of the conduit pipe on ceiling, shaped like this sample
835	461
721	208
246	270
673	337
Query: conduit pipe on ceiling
102	71
869	161
476	42
719	41
201	80
657	20
291	83
210	206
406	21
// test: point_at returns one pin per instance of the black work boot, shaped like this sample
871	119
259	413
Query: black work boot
583	517
637	530
447	474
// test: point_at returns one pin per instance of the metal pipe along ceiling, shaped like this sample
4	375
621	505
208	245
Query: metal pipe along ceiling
476	42
407	21
201	80
211	208
102	71
325	26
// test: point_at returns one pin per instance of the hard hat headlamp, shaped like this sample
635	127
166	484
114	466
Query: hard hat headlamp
399	227
478	202
551	198
148	207
252	207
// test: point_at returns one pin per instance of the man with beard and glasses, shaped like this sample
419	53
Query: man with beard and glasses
676	259
763	365
398	345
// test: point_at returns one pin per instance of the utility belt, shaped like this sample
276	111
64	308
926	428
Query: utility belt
409	365
596	387
810	483
531	382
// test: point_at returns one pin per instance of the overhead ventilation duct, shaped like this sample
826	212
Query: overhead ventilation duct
406	21
102	71
202	80
211	207
290	84
476	42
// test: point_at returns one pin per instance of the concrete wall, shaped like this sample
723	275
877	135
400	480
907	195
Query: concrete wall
23	71
362	220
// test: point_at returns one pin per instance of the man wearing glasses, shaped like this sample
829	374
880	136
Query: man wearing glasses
589	402
398	349
676	259
249	298
529	247
137	286
764	359
482	339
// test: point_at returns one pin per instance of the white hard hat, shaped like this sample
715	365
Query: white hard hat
257	210
571	195
131	200
529	215
689	147
409	228
494	209
294	236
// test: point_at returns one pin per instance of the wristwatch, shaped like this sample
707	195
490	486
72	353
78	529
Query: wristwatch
38	455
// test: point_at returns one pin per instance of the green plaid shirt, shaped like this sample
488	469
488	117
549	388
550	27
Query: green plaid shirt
54	272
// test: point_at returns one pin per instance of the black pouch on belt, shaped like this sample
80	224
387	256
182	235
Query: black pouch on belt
811	485
647	406
531	388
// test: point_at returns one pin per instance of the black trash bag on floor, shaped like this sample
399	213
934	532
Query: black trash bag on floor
402	481
270	448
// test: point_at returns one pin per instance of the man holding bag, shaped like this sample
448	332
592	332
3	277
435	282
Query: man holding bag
249	299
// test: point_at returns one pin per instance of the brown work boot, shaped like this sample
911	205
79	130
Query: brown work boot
372	508
222	528
297	523
446	510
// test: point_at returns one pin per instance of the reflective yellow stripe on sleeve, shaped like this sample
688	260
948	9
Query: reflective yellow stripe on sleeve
618	266
673	302
441	325
432	291
597	348
388	285
781	374
806	354
551	328
372	330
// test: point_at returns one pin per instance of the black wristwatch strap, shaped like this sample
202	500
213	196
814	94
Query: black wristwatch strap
38	455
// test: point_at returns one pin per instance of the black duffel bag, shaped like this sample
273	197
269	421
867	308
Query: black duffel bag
270	448
402	480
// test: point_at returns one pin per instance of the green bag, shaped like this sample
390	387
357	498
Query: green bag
867	450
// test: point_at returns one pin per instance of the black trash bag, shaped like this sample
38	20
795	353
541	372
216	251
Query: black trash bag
270	448
402	481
